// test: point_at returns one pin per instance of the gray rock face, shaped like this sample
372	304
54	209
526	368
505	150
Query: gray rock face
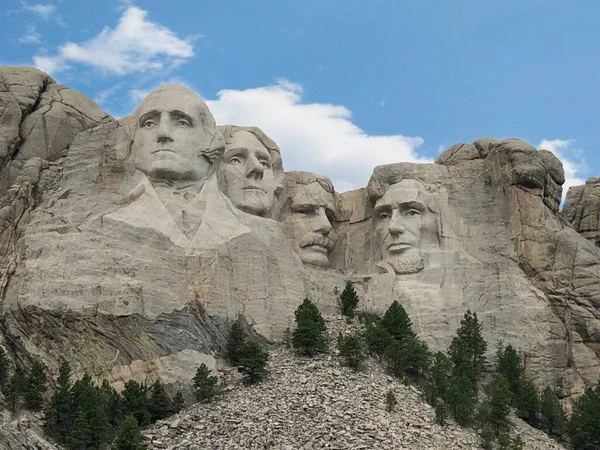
582	209
145	239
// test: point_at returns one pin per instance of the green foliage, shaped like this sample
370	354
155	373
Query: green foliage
35	387
397	323
287	338
178	401
509	365
80	435
527	401
159	403
552	415
377	338
368	317
348	300
136	403
115	404
60	413
130	436
390	401
468	347
461	397
310	335
4	368
486	434
205	384
495	409
351	348
235	341
441	413
14	390
440	375
584	425
252	362
408	356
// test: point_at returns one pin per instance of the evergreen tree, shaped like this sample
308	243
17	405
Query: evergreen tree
584	425
310	335
252	362
441	413
115	406
35	387
136	402
205	384
178	401
348	300
80	435
552	415
377	338
101	432
4	367
61	412
495	409
397	323
440	375
352	350
130	436
509	365
461	398
468	347
527	401
235	341
14	390
159	403
390	401
408	356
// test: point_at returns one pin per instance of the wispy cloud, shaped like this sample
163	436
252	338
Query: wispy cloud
135	45
317	137
31	36
573	163
43	9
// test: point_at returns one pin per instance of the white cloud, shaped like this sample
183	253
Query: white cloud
31	36
44	10
316	137
573	163
136	44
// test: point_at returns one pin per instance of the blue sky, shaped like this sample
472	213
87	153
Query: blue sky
340	85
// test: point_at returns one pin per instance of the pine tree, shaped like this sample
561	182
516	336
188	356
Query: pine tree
351	348
61	412
377	338
461	398
115	406
408	356
468	347
178	401
136	402
130	436
159	403
35	387
390	401
496	406
527	401
584	424
101	432
440	375
552	415
235	341
441	413
252	362
397	323
80	435
509	365
348	300
4	368
14	390
310	335
205	384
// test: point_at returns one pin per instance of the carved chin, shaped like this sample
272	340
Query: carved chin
410	263
311	257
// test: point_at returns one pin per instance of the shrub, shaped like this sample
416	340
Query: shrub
130	436
178	401
310	335
390	401
409	356
252	362
352	350
368	317
348	300
441	413
205	384
377	338
235	341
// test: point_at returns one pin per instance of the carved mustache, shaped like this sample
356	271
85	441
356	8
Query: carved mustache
317	239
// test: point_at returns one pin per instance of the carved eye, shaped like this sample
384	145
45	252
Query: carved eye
182	123
413	213
148	123
384	215
266	164
234	160
305	210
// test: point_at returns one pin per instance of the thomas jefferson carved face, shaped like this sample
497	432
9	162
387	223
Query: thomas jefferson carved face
247	174
174	135
308	223
399	217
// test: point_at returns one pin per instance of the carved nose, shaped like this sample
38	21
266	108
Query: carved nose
323	224
396	224
254	169
163	133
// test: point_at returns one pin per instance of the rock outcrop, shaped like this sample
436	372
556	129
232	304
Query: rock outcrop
582	209
129	247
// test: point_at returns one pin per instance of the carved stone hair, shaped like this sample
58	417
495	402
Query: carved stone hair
293	178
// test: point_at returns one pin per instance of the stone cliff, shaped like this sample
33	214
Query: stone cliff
129	247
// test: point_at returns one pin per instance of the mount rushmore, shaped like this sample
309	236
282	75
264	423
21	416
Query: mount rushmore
128	247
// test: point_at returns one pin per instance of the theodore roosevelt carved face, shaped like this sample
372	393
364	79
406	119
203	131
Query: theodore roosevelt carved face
306	218
175	136
399	217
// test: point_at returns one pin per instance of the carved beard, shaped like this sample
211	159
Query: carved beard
409	262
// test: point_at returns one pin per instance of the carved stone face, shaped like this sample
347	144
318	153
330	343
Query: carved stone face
247	170
398	222
308	223
173	131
